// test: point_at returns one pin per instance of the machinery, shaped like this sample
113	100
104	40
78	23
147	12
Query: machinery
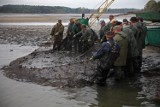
103	7
97	13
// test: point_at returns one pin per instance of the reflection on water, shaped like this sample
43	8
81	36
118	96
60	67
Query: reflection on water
119	94
133	92
65	18
11	52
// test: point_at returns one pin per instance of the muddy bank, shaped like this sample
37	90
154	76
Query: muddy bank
151	60
59	68
67	69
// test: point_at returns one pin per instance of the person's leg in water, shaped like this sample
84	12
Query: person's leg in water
101	76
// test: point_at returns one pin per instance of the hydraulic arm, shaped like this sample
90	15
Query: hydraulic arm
103	7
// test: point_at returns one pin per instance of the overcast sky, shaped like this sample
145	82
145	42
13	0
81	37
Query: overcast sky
92	4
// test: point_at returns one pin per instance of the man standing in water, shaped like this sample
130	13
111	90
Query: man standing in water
57	34
122	40
107	55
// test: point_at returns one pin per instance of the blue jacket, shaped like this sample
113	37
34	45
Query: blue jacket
108	46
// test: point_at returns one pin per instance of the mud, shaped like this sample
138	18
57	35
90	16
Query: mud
66	69
59	68
24	35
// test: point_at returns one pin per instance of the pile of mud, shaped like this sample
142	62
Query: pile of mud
58	68
66	69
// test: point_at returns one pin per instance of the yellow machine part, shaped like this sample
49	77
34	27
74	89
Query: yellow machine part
103	7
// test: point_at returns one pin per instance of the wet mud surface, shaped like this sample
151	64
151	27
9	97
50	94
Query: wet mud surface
58	69
67	69
24	35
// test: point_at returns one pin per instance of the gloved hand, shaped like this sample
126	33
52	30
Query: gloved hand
101	40
91	58
89	40
74	36
57	33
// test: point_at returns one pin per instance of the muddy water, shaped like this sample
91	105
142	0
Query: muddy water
133	92
17	94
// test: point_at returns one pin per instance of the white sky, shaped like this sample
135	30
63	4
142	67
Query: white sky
92	4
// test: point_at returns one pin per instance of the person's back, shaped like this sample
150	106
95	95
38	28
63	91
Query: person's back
122	40
76	29
132	50
144	31
137	26
88	39
132	43
69	37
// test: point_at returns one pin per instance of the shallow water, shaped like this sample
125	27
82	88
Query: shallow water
18	94
31	24
134	92
65	18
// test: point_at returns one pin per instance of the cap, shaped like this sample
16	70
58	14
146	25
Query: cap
117	27
125	20
134	19
102	21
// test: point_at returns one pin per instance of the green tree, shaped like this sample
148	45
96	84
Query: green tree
158	6
151	5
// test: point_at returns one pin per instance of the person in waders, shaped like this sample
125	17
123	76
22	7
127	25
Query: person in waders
107	55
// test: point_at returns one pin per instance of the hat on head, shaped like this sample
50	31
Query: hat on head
102	21
117	27
134	19
125	20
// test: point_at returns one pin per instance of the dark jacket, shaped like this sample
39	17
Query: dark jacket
106	47
107	54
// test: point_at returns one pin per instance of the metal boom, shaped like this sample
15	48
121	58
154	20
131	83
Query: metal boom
103	7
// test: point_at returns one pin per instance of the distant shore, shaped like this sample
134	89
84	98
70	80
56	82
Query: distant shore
20	18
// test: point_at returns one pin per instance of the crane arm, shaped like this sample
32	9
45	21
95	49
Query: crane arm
103	7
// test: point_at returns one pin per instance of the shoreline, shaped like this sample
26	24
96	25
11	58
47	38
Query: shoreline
61	69
43	66
58	69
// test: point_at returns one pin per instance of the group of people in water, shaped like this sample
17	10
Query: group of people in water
121	45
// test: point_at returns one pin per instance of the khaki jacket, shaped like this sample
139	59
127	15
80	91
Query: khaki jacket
122	40
57	32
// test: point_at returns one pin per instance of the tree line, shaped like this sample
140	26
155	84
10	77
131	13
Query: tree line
152	5
54	9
